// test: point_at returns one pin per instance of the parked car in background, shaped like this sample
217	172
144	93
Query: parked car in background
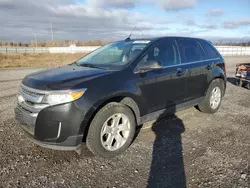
101	98
242	75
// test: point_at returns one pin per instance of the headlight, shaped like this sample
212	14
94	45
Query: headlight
61	97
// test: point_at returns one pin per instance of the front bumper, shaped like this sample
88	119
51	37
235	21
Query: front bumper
66	145
54	127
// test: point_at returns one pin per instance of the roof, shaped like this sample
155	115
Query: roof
162	37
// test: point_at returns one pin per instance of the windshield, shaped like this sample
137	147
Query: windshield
113	55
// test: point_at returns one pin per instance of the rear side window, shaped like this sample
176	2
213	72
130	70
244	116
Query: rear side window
210	52
190	50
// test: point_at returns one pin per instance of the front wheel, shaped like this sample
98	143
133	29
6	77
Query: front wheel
111	131
212	100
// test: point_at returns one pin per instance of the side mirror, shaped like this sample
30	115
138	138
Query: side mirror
150	65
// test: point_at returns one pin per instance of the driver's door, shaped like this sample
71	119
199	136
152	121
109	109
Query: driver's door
166	87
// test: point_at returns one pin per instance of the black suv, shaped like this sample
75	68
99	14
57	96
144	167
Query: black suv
101	98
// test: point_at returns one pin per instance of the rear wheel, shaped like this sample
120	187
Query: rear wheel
213	97
111	131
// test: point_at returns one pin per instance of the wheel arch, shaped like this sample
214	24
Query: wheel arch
128	101
219	77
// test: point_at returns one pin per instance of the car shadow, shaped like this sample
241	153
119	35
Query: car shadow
167	167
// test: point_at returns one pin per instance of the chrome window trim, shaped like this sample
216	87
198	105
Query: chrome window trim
181	64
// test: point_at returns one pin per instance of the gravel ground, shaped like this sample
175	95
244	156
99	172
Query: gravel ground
188	149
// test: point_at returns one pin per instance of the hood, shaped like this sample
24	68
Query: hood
62	78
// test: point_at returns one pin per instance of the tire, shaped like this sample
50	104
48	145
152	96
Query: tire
107	115
205	105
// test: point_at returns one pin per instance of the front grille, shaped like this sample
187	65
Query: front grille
30	103
30	100
30	96
24	109
28	92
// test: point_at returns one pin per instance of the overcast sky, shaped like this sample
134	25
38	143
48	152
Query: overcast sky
22	20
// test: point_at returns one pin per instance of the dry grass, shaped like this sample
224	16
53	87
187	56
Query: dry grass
37	60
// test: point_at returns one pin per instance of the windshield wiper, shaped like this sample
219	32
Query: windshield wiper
74	63
92	66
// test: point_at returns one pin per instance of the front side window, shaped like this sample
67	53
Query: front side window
114	55
190	50
163	51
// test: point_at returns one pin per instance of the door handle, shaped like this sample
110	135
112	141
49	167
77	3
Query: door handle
208	67
180	72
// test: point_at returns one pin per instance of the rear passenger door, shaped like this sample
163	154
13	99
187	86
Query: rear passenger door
198	67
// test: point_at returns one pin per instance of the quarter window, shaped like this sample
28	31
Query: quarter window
190	50
210	52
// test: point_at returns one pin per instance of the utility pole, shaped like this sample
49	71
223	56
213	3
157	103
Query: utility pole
51	31
35	39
